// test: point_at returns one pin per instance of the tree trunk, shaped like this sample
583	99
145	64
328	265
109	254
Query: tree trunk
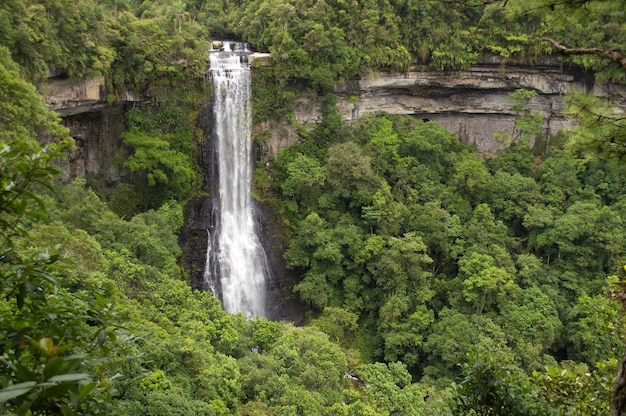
618	400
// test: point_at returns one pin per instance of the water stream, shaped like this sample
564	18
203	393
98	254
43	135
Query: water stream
236	266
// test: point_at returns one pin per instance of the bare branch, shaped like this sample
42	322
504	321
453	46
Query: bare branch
614	55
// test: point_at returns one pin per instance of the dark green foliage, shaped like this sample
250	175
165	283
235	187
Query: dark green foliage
436	250
158	154
56	35
167	171
489	388
390	391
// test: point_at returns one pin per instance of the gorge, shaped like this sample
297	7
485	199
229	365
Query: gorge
471	104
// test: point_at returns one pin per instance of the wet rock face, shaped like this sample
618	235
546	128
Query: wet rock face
194	239
283	304
97	137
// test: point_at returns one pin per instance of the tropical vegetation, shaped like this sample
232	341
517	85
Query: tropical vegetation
436	280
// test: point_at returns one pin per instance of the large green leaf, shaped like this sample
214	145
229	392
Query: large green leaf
16	390
70	377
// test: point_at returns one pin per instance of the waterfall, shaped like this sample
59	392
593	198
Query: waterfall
236	262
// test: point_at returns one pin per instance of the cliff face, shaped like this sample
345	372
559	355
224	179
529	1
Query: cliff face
95	125
97	137
471	104
68	97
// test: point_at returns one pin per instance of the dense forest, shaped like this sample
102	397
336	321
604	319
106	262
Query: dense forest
437	280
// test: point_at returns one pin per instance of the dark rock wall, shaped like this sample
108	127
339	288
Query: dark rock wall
283	304
200	217
97	136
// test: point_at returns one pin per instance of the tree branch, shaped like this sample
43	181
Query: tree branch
614	55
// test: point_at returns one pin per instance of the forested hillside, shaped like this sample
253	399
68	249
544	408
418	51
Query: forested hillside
437	280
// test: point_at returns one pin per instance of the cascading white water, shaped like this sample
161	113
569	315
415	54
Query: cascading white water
242	264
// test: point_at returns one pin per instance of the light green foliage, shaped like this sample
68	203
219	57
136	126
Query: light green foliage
513	195
533	326
483	231
558	177
265	333
175	356
165	168
597	24
272	98
134	45
300	373
454	334
383	146
410	246
304	176
576	391
325	263
349	172
339	324
323	42
584	236
482	280
59	35
472	178
439	230
87	273
400	275
389	389
602	130
593	329
516	158
310	359
437	250
158	153
24	115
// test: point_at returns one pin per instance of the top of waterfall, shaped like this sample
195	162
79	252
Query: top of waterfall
229	46
228	56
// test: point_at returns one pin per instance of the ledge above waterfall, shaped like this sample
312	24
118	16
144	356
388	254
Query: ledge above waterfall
260	59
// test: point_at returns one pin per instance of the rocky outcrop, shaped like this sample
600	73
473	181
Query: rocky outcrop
471	104
69	97
95	125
